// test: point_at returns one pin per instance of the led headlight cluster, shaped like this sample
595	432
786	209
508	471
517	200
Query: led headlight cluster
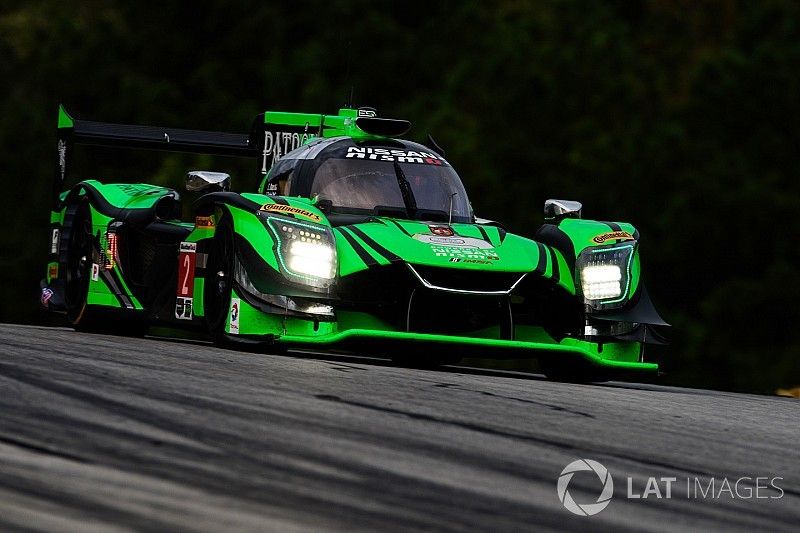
605	274
600	282
311	258
306	252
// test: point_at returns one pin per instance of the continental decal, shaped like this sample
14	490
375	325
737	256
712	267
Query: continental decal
613	235
290	210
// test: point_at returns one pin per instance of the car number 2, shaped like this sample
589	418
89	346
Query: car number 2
186	263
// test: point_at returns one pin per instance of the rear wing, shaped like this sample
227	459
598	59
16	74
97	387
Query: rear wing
73	131
272	134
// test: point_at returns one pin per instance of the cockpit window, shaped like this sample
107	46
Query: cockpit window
280	177
366	182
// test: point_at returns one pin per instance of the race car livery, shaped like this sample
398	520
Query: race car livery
353	239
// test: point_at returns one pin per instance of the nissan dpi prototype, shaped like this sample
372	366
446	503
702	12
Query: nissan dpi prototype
354	239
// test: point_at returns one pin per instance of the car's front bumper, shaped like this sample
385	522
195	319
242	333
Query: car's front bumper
611	355
361	332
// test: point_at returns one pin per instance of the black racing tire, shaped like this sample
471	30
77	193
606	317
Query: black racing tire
78	269
424	360
219	283
570	370
81	316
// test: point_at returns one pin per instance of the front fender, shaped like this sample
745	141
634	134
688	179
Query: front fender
572	237
257	249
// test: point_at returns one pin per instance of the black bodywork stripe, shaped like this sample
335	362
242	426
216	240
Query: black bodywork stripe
502	234
231	198
125	299
400	227
389	256
485	235
362	253
282	201
279	200
555	237
556	270
541	264
110	279
616	227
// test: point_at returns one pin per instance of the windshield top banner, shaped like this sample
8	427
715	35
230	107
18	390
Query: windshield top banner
395	154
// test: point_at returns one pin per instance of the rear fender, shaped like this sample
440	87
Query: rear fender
108	286
134	203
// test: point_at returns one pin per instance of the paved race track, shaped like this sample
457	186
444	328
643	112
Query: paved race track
100	432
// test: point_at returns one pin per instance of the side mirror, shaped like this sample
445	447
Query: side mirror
323	205
201	180
558	209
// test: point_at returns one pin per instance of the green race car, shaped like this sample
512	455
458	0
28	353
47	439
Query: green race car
354	239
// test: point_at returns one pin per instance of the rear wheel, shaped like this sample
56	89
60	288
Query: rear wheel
80	250
79	266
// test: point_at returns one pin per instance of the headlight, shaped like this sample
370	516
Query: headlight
306	252
600	282
605	275
311	258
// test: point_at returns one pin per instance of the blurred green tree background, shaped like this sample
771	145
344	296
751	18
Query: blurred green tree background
679	116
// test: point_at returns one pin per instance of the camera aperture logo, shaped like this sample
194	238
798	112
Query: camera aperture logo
663	487
585	509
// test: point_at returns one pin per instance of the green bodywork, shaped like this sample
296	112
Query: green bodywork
344	123
507	253
514	254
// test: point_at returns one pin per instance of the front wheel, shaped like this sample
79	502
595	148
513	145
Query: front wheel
570	370
425	360
219	283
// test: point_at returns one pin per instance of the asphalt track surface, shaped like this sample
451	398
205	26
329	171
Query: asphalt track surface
106	433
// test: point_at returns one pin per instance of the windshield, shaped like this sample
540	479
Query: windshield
358	185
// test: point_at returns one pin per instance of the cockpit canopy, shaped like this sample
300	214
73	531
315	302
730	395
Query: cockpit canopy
385	178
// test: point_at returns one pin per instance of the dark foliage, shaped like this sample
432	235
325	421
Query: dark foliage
679	116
